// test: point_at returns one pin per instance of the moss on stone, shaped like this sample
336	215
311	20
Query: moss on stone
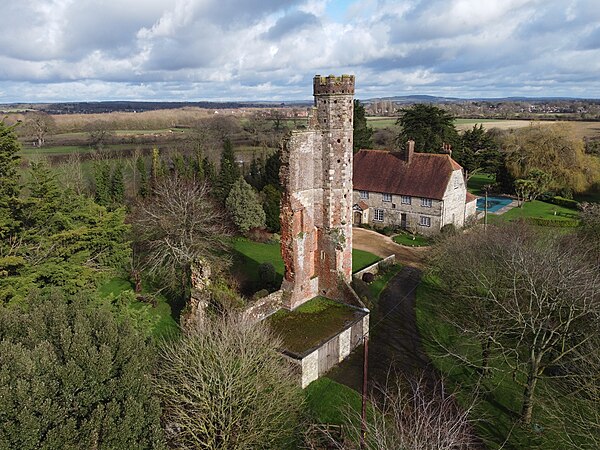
312	323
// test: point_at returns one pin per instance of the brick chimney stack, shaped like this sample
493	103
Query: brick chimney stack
410	150
447	148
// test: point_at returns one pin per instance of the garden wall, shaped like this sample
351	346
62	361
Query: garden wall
265	306
374	268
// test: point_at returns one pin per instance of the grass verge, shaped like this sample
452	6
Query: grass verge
154	318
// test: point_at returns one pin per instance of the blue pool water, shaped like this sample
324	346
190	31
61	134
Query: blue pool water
494	203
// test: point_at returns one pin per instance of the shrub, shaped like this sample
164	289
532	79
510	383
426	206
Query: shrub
368	277
266	275
260	294
74	377
565	202
448	230
223	385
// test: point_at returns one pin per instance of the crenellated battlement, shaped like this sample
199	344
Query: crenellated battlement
333	85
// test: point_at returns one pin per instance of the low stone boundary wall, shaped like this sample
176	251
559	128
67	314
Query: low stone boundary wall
374	268
315	363
265	306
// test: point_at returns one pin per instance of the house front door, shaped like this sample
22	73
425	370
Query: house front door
357	218
403	220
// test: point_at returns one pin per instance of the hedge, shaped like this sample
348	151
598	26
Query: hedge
566	202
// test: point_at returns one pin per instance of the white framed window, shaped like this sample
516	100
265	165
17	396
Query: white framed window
364	194
426	202
425	221
378	215
405	200
387	197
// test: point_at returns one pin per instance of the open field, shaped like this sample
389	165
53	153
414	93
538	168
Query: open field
582	129
381	122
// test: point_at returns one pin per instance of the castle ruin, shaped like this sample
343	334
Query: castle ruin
316	209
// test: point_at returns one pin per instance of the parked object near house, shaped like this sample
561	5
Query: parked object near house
419	192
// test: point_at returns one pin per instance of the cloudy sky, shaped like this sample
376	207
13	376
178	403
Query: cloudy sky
189	50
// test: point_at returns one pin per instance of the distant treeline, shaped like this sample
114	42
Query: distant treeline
128	106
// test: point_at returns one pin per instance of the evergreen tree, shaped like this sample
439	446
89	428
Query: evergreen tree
44	199
144	187
209	170
429	126
363	134
479	150
9	181
229	172
9	163
74	377
271	205
102	178
156	169
179	165
117	186
272	166
199	165
256	174
244	206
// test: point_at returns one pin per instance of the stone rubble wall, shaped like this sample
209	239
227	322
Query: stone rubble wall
265	306
375	268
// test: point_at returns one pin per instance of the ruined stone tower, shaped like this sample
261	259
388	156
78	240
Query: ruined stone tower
316	208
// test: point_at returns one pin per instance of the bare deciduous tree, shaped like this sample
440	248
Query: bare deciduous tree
532	299
410	415
39	124
223	385
177	226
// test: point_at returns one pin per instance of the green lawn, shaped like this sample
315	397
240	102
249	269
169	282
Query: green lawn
478	180
537	210
249	255
411	240
328	401
497	408
362	259
157	320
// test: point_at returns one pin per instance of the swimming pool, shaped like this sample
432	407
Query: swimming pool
494	203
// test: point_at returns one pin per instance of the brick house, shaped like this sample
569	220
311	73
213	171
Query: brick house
420	192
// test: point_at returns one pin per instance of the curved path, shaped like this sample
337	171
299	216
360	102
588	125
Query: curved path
395	343
382	246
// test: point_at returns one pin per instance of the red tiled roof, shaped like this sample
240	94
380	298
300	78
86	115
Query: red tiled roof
426	176
470	197
362	205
